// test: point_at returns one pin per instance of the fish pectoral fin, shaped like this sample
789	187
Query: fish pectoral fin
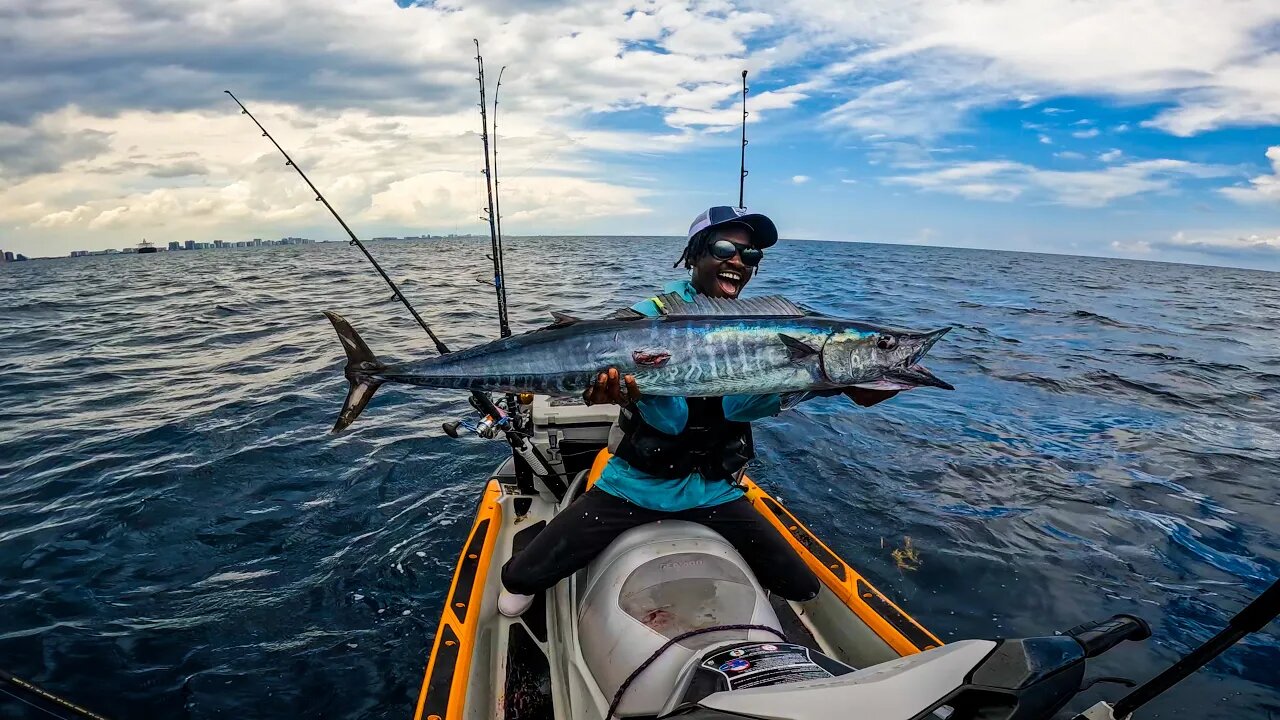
562	319
797	349
789	400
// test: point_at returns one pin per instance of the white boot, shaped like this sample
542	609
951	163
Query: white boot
512	604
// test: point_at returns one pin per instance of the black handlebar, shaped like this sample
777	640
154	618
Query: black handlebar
1253	618
1100	636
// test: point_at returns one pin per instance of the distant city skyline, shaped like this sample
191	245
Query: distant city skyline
1141	129
176	246
183	246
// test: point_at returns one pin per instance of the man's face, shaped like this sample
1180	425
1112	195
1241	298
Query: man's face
723	278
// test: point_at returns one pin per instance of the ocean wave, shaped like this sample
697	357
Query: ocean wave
191	539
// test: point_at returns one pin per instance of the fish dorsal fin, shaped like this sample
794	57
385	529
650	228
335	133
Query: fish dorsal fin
626	314
797	349
561	319
703	306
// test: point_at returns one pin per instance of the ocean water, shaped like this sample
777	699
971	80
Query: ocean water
181	537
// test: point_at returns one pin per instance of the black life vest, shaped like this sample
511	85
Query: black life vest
711	445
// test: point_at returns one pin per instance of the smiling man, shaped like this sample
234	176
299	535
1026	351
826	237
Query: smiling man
677	458
725	246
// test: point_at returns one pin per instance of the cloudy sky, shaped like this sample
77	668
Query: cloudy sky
1146	128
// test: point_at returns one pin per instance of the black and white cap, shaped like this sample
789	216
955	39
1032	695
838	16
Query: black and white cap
763	232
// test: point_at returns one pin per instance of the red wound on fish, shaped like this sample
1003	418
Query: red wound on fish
651	358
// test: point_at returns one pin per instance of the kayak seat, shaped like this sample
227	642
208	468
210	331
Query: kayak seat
652	584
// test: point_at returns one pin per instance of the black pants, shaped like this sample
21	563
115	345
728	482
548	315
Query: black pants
591	522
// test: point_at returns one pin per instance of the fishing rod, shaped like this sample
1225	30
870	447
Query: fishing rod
497	194
482	401
496	255
440	346
1255	616
742	162
32	695
495	419
495	213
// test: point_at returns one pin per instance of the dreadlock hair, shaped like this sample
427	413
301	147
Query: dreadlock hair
696	248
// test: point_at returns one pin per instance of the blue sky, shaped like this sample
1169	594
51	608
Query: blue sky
1144	129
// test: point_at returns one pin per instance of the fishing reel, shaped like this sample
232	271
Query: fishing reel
488	428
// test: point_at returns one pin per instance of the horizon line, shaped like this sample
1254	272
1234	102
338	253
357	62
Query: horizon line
457	236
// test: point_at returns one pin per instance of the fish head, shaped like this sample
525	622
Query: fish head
880	358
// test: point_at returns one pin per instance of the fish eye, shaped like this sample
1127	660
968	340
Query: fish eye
886	342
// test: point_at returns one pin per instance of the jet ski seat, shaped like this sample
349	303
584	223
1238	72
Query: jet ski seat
652	584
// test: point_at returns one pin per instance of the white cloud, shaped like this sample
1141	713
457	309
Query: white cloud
528	200
45	146
1265	243
111	120
799	179
1131	247
1069	155
1090	133
1263	188
1006	181
573	57
377	102
986	180
1212	66
219	176
1046	140
901	108
729	115
1111	155
1237	247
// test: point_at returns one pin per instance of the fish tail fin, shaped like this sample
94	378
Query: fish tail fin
360	369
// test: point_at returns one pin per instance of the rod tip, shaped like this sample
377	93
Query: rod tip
744	73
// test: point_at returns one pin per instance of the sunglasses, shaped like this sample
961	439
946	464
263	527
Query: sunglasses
724	249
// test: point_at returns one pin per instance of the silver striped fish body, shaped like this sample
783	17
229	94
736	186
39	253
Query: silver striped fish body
707	347
687	357
731	356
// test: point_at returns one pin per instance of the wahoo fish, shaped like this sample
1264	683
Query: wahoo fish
704	348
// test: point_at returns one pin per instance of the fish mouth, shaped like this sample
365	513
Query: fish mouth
907	378
911	374
919	376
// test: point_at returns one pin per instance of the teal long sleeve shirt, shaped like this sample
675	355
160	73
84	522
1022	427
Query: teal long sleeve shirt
670	415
